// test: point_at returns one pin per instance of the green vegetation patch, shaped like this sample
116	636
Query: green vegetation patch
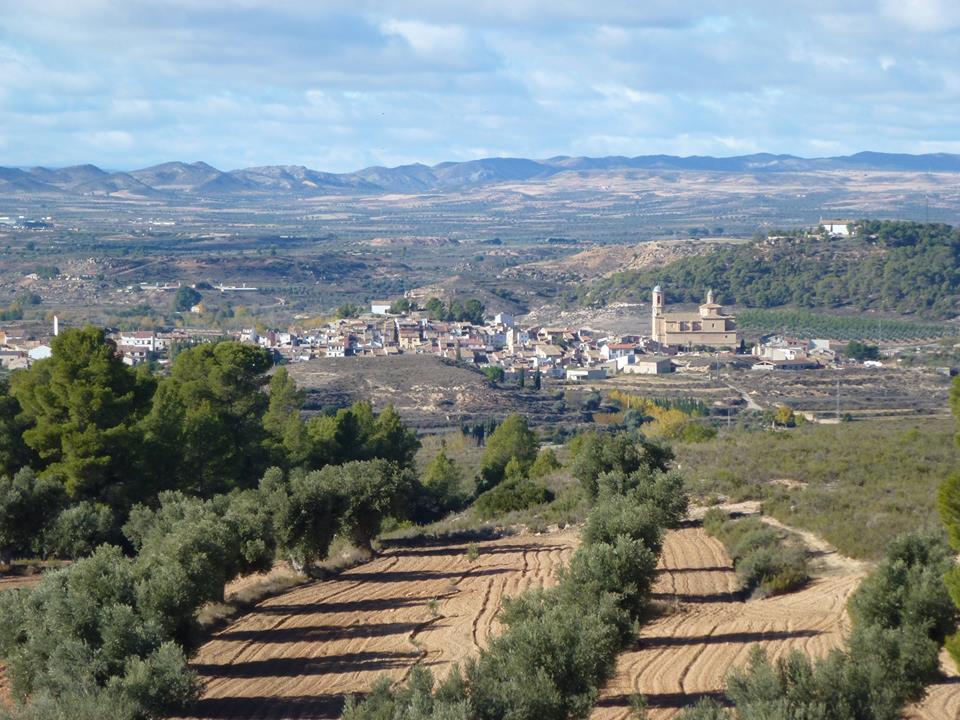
767	560
805	323
855	484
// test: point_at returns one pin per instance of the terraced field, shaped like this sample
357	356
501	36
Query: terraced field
299	654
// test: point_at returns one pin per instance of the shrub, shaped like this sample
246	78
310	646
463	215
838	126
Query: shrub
79	529
595	454
625	569
765	562
515	493
512	439
549	663
772	570
545	464
81	632
27	505
908	589
612	517
161	683
440	491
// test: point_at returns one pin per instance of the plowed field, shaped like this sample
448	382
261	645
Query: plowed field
685	654
299	654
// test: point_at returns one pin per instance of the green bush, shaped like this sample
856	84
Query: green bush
28	504
625	452
440	491
82	630
545	464
549	664
513	439
515	493
625	569
611	518
908	589
765	562
79	529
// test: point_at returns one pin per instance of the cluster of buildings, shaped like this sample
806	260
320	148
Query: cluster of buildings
679	341
19	348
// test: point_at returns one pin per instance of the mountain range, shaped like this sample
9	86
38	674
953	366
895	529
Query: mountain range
200	179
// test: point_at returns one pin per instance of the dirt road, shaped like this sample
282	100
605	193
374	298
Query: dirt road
299	654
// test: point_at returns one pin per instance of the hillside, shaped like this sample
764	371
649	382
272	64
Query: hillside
902	267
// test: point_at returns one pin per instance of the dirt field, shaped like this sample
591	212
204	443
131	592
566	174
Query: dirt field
685	655
430	395
299	654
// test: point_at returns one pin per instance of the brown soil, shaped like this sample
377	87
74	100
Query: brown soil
12	582
685	654
6	699
300	654
943	698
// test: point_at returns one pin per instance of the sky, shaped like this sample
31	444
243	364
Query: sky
339	85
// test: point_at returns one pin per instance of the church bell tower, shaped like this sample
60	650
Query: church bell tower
656	306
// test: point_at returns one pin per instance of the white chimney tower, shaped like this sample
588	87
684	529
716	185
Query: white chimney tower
56	326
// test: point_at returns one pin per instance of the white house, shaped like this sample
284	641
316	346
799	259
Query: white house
139	339
40	352
380	307
336	349
612	351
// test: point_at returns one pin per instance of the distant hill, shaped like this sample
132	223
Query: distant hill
199	178
901	267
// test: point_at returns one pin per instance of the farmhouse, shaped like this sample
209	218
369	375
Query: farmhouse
380	307
709	326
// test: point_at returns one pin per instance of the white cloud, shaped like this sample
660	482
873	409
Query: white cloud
433	41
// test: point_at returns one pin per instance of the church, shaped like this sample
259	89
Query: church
709	327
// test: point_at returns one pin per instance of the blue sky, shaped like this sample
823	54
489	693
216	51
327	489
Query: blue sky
339	85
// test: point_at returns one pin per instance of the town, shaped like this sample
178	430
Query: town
699	341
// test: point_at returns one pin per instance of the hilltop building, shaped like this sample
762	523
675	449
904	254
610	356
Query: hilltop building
840	228
709	326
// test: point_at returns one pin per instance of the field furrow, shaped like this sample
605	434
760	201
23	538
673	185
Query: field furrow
685	654
299	654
